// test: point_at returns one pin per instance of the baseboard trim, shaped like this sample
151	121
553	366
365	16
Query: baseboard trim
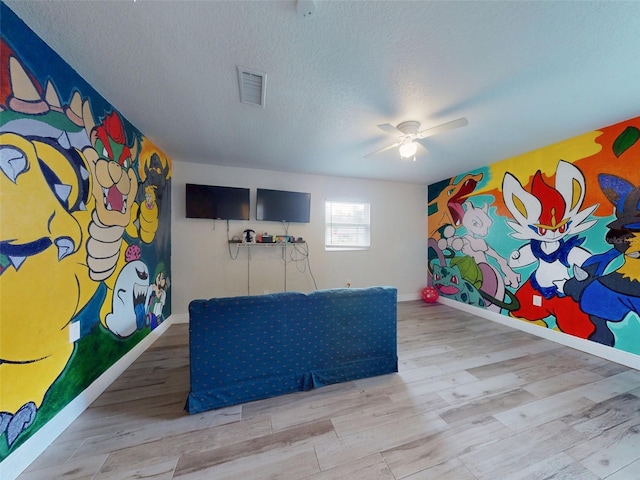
594	348
180	318
23	456
408	297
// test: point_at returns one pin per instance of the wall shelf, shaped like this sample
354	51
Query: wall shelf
273	245
270	244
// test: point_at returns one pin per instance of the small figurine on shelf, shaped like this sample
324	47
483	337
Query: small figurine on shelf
249	236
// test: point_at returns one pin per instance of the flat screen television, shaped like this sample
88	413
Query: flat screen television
209	201
282	206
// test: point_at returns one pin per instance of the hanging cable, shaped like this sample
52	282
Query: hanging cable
303	251
229	244
285	225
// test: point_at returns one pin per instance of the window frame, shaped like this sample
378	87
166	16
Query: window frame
330	225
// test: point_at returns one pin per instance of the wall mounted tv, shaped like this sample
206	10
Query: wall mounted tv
282	206
208	201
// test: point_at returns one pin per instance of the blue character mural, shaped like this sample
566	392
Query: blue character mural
611	297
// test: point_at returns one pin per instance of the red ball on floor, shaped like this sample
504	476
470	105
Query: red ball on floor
430	295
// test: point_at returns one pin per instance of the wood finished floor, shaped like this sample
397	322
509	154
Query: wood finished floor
472	400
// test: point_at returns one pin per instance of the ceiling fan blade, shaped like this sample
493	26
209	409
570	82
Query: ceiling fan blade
460	122
387	127
422	145
383	149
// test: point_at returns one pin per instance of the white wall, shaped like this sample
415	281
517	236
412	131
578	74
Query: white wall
202	267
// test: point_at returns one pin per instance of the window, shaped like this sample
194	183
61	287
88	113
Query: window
346	226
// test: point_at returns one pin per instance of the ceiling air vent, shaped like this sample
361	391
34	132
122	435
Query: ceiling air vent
252	86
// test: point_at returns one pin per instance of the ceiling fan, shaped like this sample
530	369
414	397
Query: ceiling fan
409	137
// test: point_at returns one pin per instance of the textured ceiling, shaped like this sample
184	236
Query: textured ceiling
525	74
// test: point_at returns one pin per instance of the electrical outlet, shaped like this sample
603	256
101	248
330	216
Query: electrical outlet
266	292
74	332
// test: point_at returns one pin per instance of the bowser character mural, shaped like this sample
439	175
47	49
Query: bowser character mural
548	218
68	191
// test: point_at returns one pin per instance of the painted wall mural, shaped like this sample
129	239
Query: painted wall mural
85	234
551	237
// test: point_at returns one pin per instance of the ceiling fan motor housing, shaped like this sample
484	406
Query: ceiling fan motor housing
409	128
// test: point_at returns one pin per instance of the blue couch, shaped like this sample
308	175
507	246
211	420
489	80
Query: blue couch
253	347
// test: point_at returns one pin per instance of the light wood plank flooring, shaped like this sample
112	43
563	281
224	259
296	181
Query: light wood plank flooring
473	400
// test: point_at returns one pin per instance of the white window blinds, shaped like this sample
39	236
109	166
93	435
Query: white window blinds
347	226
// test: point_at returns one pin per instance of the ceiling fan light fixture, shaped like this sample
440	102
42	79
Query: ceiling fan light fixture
408	150
409	132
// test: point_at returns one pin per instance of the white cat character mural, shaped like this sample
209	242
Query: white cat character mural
548	218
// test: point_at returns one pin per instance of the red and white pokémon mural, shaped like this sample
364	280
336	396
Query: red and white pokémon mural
551	237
